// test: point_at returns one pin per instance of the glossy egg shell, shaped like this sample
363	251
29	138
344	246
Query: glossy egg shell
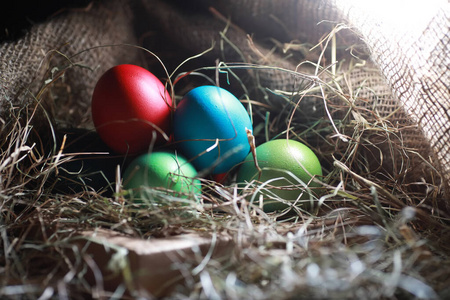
278	158
129	105
161	169
208	113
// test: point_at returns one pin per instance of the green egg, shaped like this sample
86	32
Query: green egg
164	170
287	168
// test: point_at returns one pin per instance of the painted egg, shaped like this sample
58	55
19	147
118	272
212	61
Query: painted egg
131	109
209	129
287	168
161	169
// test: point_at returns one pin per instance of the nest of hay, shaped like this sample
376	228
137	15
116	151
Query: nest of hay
373	232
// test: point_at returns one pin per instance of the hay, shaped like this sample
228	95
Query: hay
374	234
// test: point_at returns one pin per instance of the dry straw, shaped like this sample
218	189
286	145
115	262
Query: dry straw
375	232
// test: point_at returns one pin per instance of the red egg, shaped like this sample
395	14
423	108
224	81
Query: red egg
129	106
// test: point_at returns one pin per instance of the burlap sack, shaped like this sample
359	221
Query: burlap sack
405	80
64	47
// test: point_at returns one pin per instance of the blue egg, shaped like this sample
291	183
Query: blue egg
207	114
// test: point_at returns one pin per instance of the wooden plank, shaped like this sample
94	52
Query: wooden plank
151	267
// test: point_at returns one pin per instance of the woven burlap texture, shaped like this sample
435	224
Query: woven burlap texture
65	44
413	55
410	81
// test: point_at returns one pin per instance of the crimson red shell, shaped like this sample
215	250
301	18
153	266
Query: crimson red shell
130	106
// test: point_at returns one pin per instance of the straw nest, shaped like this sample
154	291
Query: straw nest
372	234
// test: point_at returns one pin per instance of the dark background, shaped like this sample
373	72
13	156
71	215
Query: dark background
16	17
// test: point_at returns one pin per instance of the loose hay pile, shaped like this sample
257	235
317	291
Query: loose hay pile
379	229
